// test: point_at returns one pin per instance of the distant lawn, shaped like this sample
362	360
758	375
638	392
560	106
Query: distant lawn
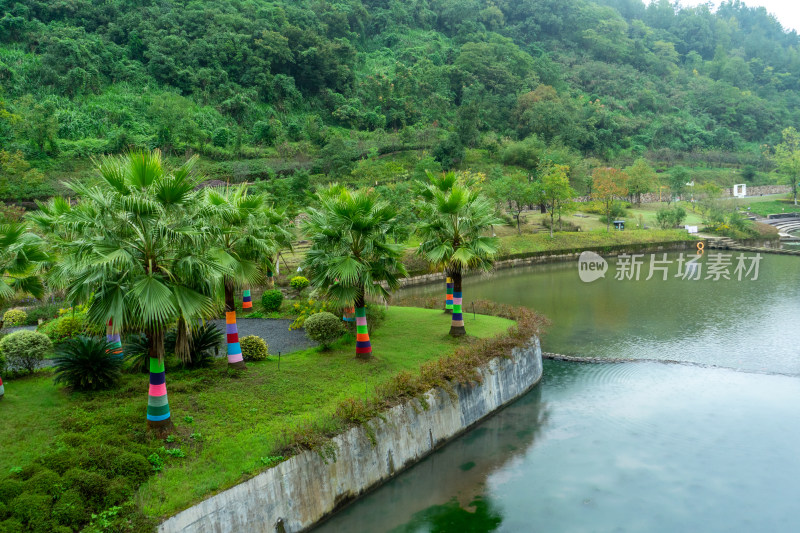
770	205
541	242
228	426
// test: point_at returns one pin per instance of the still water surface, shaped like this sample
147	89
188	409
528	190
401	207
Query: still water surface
642	446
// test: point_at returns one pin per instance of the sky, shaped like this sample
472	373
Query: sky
786	11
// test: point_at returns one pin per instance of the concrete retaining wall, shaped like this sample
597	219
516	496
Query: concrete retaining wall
297	493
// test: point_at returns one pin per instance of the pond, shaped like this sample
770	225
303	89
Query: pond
706	443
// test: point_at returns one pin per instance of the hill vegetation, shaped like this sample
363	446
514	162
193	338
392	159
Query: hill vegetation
381	90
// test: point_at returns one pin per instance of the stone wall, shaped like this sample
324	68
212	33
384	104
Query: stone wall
298	493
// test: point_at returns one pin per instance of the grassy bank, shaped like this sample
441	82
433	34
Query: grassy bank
540	242
228	427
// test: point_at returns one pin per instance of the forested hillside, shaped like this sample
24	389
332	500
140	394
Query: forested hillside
380	90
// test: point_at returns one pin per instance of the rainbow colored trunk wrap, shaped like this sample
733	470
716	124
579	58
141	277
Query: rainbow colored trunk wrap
363	346
247	301
448	300
115	340
157	404
349	314
458	317
234	348
2	388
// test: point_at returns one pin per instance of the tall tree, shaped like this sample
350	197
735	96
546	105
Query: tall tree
350	253
452	227
139	261
608	184
21	255
641	179
241	237
787	158
556	191
517	191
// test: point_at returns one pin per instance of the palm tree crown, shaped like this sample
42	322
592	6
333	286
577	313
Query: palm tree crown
454	220
350	254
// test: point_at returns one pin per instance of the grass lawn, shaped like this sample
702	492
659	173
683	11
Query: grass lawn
228	426
541	242
768	205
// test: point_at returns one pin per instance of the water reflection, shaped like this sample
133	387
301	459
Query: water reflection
752	325
445	490
632	447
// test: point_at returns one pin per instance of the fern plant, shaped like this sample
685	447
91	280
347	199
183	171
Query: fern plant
86	363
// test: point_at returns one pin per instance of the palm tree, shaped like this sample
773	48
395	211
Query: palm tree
242	238
350	254
49	218
21	258
453	225
443	183
138	259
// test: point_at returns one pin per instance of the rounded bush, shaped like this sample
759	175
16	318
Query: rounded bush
323	328
299	283
10	489
272	299
254	348
63	328
45	482
31	509
132	466
25	349
70	510
92	486
86	363
15	317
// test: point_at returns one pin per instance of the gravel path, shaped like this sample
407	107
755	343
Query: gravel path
275	332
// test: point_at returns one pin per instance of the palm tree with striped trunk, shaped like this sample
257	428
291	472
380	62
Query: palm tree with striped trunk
454	223
138	258
350	252
22	255
443	183
243	237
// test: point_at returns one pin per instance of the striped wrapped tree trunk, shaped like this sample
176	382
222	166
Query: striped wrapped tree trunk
114	339
2	389
158	416
363	346
235	359
349	314
247	300
457	324
448	299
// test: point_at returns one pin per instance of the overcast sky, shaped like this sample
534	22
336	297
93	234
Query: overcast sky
786	11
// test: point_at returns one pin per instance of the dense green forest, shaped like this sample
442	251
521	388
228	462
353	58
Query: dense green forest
382	90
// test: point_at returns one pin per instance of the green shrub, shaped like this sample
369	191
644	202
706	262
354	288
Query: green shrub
86	363
133	466
271	300
70	510
15	317
45	311
324	328
25	349
65	327
60	460
299	283
254	348
307	308
91	485
670	218
10	489
45	482
31	509
120	490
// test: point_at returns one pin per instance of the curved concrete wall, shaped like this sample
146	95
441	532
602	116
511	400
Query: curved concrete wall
298	493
